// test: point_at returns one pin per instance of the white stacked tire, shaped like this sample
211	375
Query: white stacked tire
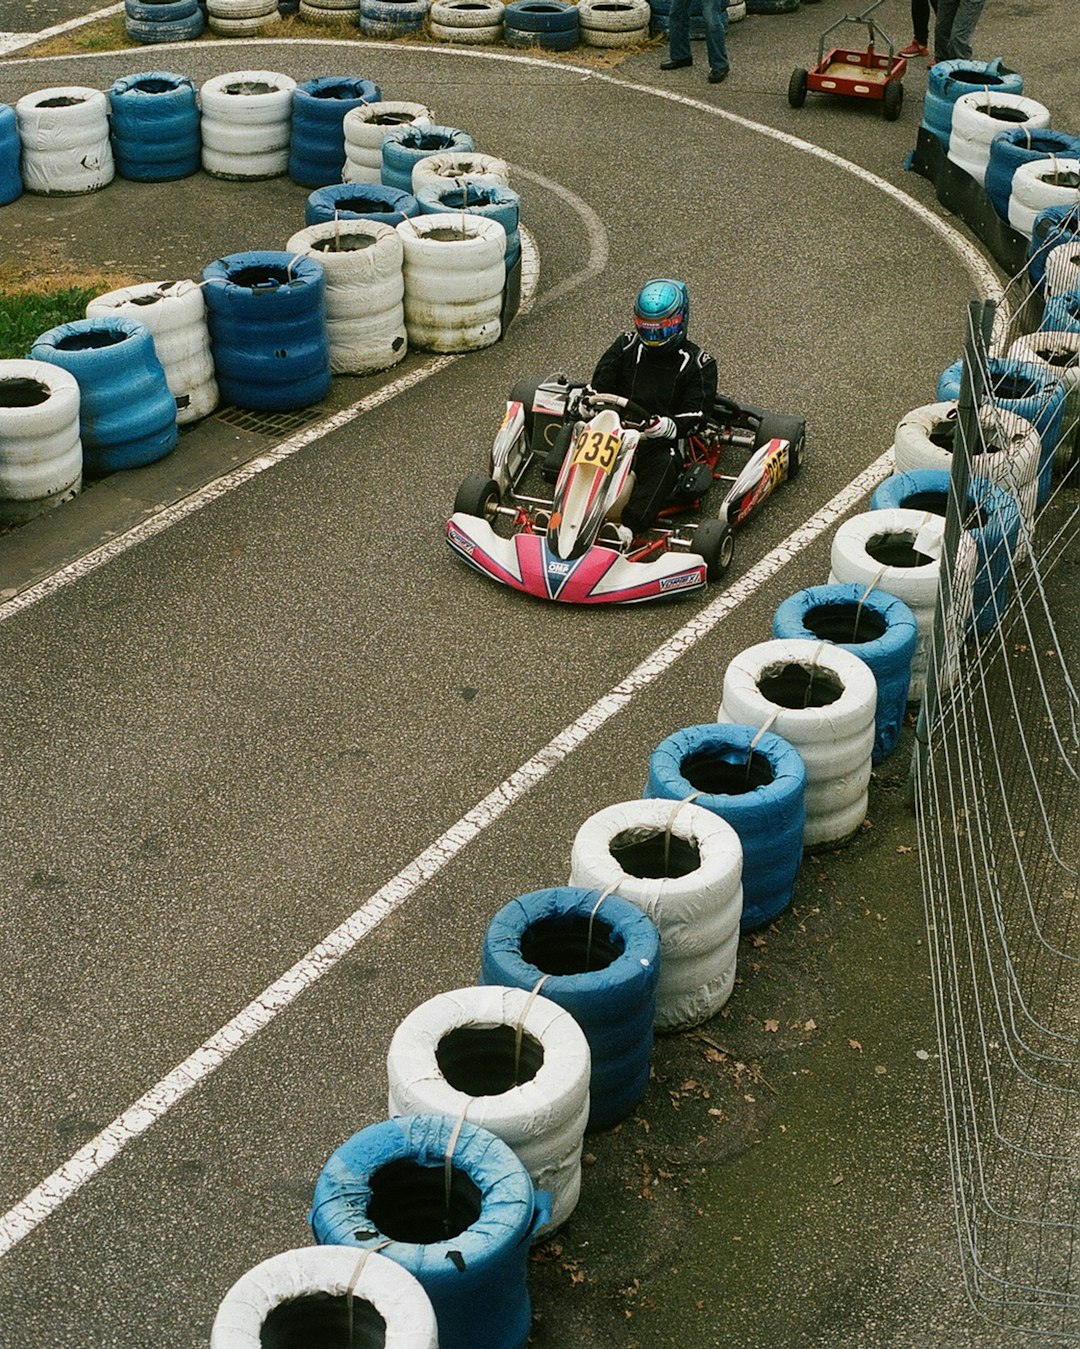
455	272
316	1294
241	18
736	11
64	134
475	22
246	124
681	865
977	119
1062	273
900	551
41	458
515	1064
460	167
391	18
175	313
613	23
367	128
1058	352
1039	184
365	288
821	699
330	11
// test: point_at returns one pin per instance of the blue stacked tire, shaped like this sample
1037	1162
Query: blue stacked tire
163	20
948	80
317	134
878	628
491	200
602	962
771	6
1054	225
1027	391
127	414
266	313
551	24
405	145
661	18
1062	313
392	18
1009	149
386	1189
755	781
154	125
360	201
993	520
11	184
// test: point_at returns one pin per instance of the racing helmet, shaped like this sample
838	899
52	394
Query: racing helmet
662	312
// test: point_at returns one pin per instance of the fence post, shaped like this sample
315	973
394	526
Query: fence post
966	439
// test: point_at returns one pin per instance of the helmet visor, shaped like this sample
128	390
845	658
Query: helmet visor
658	332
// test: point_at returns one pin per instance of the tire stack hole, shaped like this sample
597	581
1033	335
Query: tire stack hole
894	550
410	1202
488	1060
323	1321
801	686
22	393
848	622
716	775
654	855
572	946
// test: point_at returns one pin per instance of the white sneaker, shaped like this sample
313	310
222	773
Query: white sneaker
626	537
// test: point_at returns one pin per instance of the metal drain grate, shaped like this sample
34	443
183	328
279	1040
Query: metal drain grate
269	423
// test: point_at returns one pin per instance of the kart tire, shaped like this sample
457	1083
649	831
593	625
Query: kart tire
774	425
714	541
797	87
478	495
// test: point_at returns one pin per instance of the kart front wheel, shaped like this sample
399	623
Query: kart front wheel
714	541
478	495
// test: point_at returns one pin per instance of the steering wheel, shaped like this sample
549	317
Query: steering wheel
632	412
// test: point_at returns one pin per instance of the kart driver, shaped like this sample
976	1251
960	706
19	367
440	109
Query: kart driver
657	366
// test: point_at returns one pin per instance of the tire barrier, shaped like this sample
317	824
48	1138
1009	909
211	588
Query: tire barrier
1059	353
404	146
127	416
242	18
317	133
64	133
1062	275
41	459
455	274
325	1295
949	80
365	130
330	11
458	168
392	18
175	314
736	11
821	699
454	1207
1018	145
550	24
470	21
360	201
681	865
899	551
154	118
11	183
267	320
756	782
979	116
365	286
246	121
877	627
1054	225
771	6
179	21
613	23
992	519
1038	184
518	1065
1024	391
602	959
490	200
924	437
1062	313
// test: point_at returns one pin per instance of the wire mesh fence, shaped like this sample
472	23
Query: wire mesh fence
996	780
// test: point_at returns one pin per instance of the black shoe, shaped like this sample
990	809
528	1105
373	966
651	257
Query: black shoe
717	76
679	64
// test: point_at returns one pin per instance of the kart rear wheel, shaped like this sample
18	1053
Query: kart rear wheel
796	90
774	426
795	456
478	495
714	541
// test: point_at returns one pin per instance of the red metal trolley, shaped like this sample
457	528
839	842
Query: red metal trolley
854	74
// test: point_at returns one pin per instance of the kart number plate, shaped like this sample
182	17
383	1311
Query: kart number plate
596	449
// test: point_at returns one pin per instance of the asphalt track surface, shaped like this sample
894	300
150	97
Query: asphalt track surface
224	740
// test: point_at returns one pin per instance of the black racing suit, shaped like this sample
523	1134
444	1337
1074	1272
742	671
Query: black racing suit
677	382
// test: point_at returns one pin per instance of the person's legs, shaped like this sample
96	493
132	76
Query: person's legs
946	13
656	472
963	29
715	17
679	30
920	21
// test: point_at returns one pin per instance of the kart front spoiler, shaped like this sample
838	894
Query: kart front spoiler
600	576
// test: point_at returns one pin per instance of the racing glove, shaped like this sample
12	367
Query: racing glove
659	428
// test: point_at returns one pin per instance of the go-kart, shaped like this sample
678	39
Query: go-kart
568	547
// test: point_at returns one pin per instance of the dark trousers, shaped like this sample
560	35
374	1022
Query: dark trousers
657	467
920	21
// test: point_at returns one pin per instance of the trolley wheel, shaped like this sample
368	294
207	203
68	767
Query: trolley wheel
892	100
796	90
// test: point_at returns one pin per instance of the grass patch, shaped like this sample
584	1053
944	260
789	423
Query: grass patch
102	36
38	293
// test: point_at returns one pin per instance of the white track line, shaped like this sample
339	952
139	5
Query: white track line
47	1197
13	42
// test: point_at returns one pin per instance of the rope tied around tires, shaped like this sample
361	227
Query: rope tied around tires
671	825
519	1029
592	918
448	1166
350	1290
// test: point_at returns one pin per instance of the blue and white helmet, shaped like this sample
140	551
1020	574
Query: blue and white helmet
662	312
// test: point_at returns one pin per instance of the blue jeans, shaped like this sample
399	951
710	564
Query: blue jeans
714	12
956	20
